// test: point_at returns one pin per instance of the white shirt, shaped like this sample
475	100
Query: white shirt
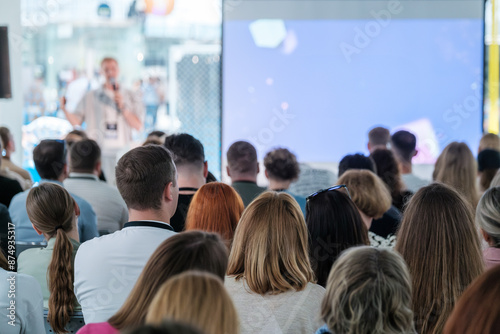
26	314
107	268
291	312
105	199
413	182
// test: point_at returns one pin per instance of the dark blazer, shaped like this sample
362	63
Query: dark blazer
8	189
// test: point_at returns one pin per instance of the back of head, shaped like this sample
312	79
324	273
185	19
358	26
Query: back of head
242	159
356	161
271	223
191	250
281	164
197	298
488	214
50	158
388	170
404	144
368	291
142	175
478	310
334	225
489	141
51	209
215	207
4	136
379	137
367	191
457	168
439	242
488	163
186	150
84	156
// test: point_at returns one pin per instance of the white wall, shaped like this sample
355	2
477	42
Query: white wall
11	110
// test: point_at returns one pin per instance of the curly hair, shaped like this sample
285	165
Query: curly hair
282	164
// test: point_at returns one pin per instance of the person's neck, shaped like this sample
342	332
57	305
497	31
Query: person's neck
7	155
158	215
89	172
366	220
73	234
279	184
244	178
406	167
194	181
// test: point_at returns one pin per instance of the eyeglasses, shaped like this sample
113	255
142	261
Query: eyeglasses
340	186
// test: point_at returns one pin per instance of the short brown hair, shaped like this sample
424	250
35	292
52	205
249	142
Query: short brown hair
282	164
440	243
478	310
271	223
489	140
84	156
142	175
379	136
368	192
242	157
106	59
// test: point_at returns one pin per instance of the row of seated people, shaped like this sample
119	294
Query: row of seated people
371	194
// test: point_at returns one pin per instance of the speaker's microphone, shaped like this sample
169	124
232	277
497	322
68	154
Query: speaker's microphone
112	81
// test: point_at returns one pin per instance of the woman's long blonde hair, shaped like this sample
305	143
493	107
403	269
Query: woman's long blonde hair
440	244
197	298
51	209
457	168
270	246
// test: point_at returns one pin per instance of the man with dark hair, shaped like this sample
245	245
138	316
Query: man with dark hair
378	137
107	268
242	168
192	168
85	167
50	163
404	145
356	161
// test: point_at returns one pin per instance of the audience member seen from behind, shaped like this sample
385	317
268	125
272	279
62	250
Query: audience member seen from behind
53	213
242	168
147	180
488	163
83	180
9	186
216	207
192	169
166	327
9	147
440	243
378	137
373	200
334	225
457	168
197	298
50	158
193	250
282	169
489	141
404	146
267	283
4	229
356	161
368	291
22	313
155	138
76	136
388	171
478	310
488	219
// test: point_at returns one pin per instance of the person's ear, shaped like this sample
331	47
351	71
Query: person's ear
369	147
266	173
205	169
486	237
77	209
258	168
168	192
228	171
415	153
37	230
98	167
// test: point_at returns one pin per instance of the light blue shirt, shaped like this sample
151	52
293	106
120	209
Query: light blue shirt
87	221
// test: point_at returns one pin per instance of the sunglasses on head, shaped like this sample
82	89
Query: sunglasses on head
340	186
